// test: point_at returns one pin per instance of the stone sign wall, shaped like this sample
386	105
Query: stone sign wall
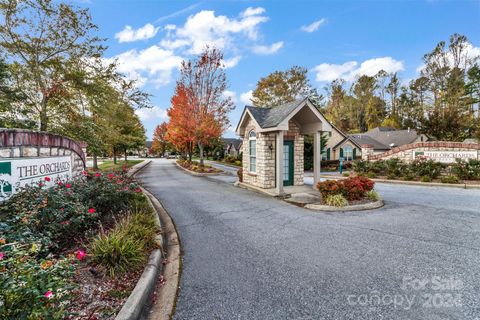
440	151
27	157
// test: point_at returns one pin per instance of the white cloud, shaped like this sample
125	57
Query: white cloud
313	26
231	94
152	113
232	62
330	72
268	50
246	97
349	70
154	63
206	28
129	35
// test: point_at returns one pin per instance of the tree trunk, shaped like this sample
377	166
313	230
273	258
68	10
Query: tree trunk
126	155
43	115
200	147
114	155
95	162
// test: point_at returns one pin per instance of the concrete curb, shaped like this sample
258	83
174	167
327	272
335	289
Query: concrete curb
213	162
358	207
198	174
136	168
413	183
139	300
164	307
256	189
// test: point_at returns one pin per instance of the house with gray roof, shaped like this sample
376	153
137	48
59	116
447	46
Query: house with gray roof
380	140
273	143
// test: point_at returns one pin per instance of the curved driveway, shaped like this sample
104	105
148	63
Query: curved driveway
247	256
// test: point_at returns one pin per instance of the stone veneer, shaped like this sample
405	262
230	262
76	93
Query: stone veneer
406	151
264	177
19	143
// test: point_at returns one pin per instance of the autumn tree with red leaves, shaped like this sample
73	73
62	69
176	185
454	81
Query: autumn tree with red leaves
180	129
202	84
160	142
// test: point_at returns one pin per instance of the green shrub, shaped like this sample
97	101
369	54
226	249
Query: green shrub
392	176
238	163
408	176
449	179
346	174
336	200
116	251
371	175
25	279
361	166
372	195
467	170
426	179
426	168
395	166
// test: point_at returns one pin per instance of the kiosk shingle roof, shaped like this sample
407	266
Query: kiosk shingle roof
272	117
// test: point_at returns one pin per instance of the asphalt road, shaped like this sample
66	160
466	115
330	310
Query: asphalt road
247	256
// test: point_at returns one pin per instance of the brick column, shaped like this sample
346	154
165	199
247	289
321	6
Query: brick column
317	156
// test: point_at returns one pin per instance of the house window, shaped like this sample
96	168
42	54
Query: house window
348	153
252	143
324	154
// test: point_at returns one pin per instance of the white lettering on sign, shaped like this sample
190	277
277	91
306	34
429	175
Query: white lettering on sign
446	156
17	173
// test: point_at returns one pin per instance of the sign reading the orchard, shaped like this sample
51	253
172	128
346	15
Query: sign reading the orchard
447	156
17	173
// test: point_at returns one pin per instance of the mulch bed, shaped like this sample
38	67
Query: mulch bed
98	296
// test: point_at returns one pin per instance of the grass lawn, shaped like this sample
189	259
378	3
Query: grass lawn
109	166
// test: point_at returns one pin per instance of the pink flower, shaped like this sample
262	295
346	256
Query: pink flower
110	176
91	210
85	173
60	183
138	190
2	255
47	179
80	254
40	184
97	174
48	294
68	186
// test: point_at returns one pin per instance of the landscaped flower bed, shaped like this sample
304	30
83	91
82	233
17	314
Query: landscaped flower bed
421	169
196	167
350	191
73	249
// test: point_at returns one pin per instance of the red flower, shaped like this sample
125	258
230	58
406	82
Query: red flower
97	174
60	183
47	179
68	186
138	190
1	255
80	254
65	223
40	184
85	173
91	210
48	294
62	209
110	176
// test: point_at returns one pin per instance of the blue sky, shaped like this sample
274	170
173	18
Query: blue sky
330	38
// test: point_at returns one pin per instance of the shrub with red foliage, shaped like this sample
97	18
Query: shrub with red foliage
352	189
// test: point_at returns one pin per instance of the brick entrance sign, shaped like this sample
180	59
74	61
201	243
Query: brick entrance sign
440	151
27	157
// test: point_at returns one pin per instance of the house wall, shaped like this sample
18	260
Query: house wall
264	177
358	151
335	138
